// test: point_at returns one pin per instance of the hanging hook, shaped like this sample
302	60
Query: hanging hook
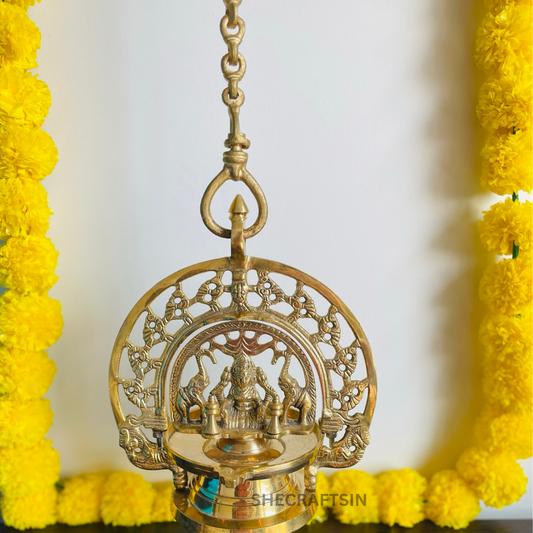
236	174
235	159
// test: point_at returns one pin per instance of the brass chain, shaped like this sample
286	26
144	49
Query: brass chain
233	95
235	159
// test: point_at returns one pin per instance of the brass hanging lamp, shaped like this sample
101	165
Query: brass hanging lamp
244	448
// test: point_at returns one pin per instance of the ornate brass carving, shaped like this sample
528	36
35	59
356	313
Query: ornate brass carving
341	419
243	407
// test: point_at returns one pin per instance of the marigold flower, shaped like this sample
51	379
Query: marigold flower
24	99
450	502
26	422
322	495
504	39
26	153
505	102
25	375
27	264
18	473
23	208
161	511
79	500
508	338
506	286
127	500
495	6
401	497
355	485
497	431
34	511
495	478
24	4
19	38
29	322
507	223
508	383
507	162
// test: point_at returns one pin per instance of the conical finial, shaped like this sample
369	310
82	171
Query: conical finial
276	409
212	411
238	208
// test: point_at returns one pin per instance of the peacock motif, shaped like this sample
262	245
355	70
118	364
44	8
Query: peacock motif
192	394
295	395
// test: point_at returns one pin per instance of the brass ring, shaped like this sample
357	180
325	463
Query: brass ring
255	189
233	74
227	35
232	7
232	102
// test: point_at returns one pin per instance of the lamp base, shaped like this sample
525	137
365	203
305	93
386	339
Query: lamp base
279	504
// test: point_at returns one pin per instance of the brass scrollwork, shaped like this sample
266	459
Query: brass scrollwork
346	408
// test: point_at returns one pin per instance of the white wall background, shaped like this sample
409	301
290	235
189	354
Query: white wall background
364	139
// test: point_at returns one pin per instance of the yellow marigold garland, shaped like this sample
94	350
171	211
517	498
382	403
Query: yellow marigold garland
30	321
501	432
506	160
503	428
24	4
507	224
504	39
505	102
80	498
507	338
26	153
450	502
28	259
506	286
19	475
496	6
26	422
25	375
36	510
496	478
401	497
355	483
27	264
127	500
23	208
509	384
19	38
24	99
